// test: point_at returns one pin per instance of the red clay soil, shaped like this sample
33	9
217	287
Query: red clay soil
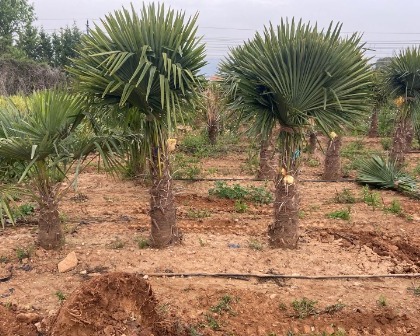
10	326
111	304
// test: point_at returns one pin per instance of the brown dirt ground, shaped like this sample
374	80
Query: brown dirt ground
107	218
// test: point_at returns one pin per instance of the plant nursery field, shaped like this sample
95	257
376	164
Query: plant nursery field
344	230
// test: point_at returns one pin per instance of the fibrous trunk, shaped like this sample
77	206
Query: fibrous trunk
373	129
401	143
164	231
312	143
266	168
332	168
283	232
50	232
213	130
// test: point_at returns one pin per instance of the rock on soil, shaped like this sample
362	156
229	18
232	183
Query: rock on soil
68	263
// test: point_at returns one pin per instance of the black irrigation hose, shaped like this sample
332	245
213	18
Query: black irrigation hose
283	276
253	179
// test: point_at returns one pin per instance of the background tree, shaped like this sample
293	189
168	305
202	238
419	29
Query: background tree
402	78
15	16
289	75
149	62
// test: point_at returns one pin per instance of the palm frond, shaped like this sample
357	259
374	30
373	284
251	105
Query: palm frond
384	174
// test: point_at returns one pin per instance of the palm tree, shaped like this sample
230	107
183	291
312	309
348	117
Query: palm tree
289	75
402	78
47	140
149	62
332	165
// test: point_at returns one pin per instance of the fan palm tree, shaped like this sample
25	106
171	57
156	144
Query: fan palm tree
402	78
289	75
46	139
149	62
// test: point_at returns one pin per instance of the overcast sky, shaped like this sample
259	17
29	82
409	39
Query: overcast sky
387	25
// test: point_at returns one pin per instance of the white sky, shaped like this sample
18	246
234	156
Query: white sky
387	25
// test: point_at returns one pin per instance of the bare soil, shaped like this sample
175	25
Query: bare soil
107	220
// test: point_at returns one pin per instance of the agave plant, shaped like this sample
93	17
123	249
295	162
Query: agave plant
402	78
290	75
48	139
385	174
148	62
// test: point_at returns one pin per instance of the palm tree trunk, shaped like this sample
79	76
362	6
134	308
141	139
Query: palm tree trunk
50	232
332	167
401	142
373	129
164	231
312	143
283	232
266	168
213	130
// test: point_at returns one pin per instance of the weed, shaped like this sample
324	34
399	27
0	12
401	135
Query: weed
142	243
343	214
415	290
371	198
212	322
334	308
386	143
416	170
254	194
60	295
251	162
304	307
192	331
394	207
312	162
117	244
186	167
344	197
197	213
352	149
202	242
271	334
282	306
224	305
212	170
23	253
4	259
382	301
301	214
23	210
240	206
255	244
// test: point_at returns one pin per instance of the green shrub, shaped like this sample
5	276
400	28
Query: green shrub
254	194
345	197
304	307
343	214
386	143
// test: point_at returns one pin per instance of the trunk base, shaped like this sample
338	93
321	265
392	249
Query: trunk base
283	232
50	232
332	167
401	142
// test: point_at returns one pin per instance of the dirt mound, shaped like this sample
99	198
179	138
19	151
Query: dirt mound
111	304
10	326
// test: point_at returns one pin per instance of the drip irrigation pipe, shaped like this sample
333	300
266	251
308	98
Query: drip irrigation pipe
253	179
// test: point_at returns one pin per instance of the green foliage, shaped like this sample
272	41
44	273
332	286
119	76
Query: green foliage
416	170
142	243
60	296
185	166
212	322
386	143
370	197
343	214
198	213
312	162
240	206
394	208
382	301
384	174
304	307
345	197
294	73
23	253
15	15
224	305
23	211
255	244
353	149
251	193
